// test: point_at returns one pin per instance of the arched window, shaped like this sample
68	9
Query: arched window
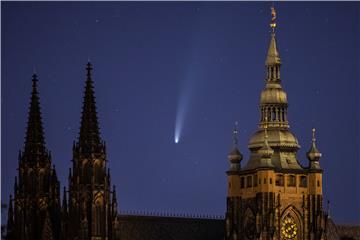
255	180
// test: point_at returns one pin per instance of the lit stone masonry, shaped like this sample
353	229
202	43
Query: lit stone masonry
273	196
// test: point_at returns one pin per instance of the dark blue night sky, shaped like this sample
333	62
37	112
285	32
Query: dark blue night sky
202	59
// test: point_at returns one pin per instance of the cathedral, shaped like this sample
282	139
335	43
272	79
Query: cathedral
272	196
88	209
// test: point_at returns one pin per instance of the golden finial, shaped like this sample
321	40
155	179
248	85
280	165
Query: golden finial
273	18
313	135
235	133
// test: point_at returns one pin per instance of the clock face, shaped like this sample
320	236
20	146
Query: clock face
289	229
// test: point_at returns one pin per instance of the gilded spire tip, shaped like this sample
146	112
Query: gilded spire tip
273	18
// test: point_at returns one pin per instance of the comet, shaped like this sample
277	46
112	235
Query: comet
181	112
179	121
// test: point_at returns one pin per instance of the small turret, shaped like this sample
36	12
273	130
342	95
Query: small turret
235	156
314	154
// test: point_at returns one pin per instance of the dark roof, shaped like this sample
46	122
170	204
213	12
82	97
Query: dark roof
136	227
342	232
349	231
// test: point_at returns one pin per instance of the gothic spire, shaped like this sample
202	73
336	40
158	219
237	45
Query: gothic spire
89	138
34	147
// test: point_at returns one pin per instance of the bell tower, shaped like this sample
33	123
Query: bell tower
273	196
92	207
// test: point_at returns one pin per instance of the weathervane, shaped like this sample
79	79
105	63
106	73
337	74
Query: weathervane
273	18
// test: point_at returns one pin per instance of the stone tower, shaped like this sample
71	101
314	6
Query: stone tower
273	196
34	212
92	208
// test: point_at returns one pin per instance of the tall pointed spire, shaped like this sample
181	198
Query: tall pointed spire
273	99
34	147
89	138
273	134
